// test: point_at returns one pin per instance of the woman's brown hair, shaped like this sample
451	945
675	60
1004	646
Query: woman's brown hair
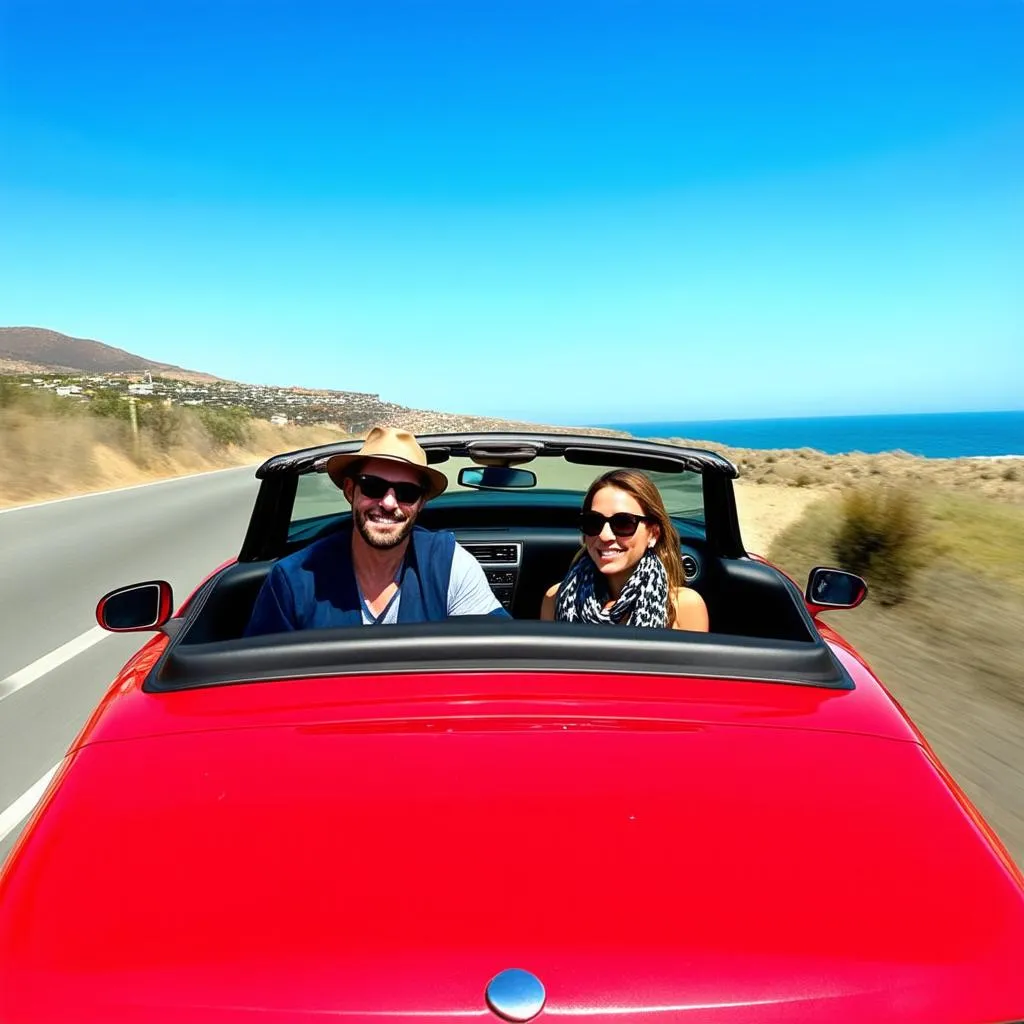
642	488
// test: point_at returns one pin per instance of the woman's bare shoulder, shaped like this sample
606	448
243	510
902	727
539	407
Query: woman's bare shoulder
547	606
687	597
691	611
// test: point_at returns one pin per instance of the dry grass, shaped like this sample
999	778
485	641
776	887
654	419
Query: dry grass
880	535
45	456
807	468
951	654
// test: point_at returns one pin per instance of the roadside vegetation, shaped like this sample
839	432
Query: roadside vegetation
809	469
880	534
56	446
949	647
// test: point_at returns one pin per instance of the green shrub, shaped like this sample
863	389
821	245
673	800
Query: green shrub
34	401
226	426
160	423
10	392
880	537
110	404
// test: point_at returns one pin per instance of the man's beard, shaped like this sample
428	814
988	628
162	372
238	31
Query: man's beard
382	542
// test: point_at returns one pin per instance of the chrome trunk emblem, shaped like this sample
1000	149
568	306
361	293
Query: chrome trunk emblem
515	995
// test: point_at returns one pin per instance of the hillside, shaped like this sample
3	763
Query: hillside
31	349
79	370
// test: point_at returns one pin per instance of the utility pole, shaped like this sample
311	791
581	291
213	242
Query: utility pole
133	415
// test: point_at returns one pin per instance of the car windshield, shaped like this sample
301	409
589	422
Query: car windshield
560	483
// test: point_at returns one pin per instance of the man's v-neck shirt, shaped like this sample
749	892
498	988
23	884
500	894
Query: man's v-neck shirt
468	592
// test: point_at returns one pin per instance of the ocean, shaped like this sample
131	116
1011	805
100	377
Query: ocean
943	435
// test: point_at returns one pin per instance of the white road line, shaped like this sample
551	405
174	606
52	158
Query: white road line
11	818
48	662
130	487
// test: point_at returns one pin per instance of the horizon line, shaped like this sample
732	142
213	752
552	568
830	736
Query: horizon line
794	419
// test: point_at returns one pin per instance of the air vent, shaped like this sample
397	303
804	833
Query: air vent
494	554
690	568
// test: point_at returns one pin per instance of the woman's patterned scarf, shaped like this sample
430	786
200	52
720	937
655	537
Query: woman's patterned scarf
643	601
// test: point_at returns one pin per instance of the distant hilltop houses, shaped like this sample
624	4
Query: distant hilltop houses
354	410
83	370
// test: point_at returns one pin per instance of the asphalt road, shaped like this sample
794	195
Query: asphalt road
56	560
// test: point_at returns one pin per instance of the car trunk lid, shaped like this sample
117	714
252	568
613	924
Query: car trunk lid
711	868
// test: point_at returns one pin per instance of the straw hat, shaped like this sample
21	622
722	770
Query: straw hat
392	444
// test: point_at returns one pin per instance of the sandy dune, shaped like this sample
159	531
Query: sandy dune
767	509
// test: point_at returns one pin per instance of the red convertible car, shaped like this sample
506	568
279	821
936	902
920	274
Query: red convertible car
493	819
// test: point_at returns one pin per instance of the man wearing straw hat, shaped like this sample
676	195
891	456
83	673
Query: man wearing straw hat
381	568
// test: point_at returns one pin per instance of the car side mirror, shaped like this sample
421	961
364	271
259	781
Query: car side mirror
140	607
834	588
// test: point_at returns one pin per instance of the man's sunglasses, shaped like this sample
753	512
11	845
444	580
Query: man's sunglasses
623	524
375	487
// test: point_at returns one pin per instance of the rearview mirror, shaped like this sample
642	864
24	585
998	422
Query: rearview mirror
499	477
142	606
834	588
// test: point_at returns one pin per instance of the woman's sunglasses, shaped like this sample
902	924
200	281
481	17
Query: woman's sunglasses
375	487
623	524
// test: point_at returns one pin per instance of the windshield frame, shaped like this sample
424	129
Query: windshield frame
268	533
560	485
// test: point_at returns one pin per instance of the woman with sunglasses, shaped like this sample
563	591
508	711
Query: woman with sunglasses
629	571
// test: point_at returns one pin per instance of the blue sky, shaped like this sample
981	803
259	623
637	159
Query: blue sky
609	211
